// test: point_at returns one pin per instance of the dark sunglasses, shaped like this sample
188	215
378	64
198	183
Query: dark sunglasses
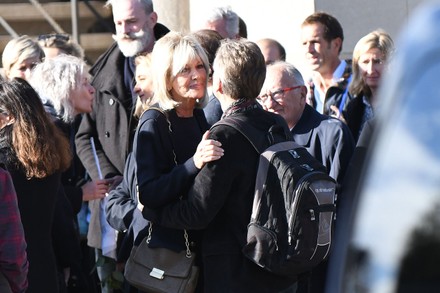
54	37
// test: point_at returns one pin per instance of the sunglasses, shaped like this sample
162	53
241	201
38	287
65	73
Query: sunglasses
52	38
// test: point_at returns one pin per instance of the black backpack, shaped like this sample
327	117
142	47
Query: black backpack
291	226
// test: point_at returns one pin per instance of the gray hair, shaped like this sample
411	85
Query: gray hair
55	79
230	17
289	70
147	4
18	50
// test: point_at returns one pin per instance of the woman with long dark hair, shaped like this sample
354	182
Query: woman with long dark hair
35	153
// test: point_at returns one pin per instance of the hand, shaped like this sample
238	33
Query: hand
94	189
208	150
114	182
337	113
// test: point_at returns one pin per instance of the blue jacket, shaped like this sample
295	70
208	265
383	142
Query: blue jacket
328	139
121	209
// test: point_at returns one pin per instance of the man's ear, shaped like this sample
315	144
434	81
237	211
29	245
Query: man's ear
303	94
337	43
153	18
218	87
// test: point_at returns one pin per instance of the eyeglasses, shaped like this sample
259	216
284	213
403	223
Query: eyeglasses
277	96
63	37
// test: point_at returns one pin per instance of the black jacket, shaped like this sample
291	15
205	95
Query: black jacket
111	122
160	181
353	114
220	202
36	201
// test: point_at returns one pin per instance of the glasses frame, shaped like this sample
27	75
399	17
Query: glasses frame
263	98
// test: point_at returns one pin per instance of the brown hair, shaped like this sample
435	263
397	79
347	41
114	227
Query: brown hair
332	27
40	147
241	68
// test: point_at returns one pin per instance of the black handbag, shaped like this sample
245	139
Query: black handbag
161	270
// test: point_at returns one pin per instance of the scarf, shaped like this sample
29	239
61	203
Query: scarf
240	106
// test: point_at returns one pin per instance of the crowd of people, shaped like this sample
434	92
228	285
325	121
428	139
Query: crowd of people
95	160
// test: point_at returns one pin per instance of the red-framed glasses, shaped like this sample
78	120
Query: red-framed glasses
276	96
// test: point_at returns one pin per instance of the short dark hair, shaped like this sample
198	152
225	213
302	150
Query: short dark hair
242	28
210	40
332	27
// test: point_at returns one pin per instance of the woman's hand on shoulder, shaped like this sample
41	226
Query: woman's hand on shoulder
208	150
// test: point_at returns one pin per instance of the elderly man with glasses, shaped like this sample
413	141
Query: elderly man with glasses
328	139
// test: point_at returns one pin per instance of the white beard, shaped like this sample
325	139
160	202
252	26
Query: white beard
133	43
130	48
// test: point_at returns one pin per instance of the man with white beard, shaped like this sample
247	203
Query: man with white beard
111	122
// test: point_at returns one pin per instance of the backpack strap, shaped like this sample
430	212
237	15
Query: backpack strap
260	142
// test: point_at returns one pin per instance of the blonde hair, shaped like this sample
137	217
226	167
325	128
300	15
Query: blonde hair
142	106
376	39
170	55
18	50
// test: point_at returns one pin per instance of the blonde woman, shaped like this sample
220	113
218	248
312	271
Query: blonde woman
170	144
144	84
121	211
370	57
20	56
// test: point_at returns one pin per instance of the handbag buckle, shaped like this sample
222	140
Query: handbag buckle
156	273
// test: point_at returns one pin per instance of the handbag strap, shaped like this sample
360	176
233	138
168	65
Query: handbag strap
150	227
185	235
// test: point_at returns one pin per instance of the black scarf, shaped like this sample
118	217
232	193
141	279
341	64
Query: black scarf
240	106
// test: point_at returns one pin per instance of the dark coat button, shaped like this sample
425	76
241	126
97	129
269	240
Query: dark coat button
107	134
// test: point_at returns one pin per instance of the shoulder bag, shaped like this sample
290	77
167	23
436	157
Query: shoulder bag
161	270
